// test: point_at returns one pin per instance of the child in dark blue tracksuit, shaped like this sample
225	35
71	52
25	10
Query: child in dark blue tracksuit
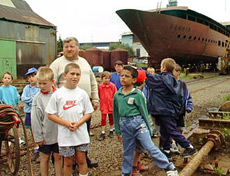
164	103
187	104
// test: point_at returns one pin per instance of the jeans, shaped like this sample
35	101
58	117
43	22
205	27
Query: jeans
132	129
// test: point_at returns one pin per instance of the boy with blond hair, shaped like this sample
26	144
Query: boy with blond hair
70	108
44	130
151	70
164	103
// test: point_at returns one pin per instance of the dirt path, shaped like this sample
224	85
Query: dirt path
109	152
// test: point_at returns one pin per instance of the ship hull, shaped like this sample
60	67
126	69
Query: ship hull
168	36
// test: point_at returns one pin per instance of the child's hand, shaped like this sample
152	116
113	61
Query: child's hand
74	126
188	110
69	125
119	138
41	143
95	105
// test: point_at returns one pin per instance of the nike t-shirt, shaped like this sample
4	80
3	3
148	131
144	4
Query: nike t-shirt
71	105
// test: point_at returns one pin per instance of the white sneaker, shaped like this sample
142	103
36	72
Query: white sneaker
175	148
21	142
172	173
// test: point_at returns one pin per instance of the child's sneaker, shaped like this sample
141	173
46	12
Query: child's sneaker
140	167
135	172
172	173
111	134
168	154
175	148
101	137
189	152
21	142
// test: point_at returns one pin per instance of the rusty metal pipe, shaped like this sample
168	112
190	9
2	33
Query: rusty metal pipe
215	139
191	167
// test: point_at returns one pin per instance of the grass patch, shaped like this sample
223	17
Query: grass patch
188	124
226	98
188	77
142	65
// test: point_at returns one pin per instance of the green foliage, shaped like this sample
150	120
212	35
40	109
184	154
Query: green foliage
142	65
118	45
218	171
226	98
188	124
86	46
200	141
226	116
226	132
59	45
188	77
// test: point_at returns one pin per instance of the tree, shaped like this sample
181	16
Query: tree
118	45
59	45
85	47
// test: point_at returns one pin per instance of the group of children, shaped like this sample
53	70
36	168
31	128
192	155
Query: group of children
58	116
167	101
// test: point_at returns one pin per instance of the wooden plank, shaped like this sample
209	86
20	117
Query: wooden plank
214	123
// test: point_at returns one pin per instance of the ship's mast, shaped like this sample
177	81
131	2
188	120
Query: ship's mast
172	3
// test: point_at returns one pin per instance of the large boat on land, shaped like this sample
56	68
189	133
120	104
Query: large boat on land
179	33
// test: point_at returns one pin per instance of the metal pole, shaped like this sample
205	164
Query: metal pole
191	167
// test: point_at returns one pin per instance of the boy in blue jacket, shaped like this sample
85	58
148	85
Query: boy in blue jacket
28	93
187	105
164	103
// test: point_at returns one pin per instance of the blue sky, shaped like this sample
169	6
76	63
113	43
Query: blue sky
96	21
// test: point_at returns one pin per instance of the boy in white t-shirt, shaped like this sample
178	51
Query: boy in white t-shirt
70	108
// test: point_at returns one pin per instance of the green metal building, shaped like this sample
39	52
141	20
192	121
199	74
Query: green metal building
26	39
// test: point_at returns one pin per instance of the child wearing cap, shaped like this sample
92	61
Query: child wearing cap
27	97
137	166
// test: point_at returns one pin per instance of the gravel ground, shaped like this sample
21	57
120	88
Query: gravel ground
108	153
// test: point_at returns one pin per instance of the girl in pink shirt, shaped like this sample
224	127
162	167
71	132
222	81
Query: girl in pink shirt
106	92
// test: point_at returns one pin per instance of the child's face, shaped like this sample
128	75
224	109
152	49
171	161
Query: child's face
7	80
127	78
46	86
32	79
72	77
118	68
106	79
176	74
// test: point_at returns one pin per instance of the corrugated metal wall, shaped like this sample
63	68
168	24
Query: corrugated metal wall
35	45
